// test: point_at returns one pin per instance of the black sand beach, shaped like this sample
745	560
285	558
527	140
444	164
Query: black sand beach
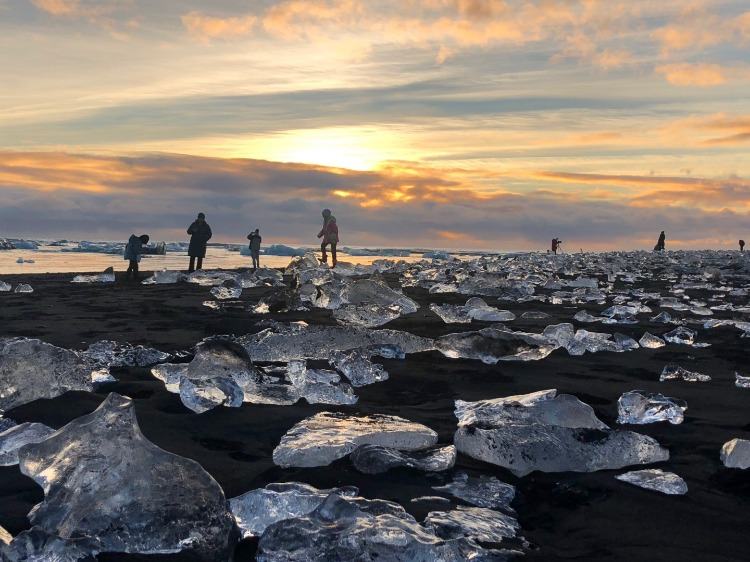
564	516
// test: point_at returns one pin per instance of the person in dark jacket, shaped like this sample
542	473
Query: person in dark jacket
660	243
742	245
255	240
200	234
133	251
330	235
555	245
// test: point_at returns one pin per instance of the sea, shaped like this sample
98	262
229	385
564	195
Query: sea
95	257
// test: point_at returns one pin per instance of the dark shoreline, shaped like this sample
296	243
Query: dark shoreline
589	516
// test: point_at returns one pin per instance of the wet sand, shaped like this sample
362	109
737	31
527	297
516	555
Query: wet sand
564	516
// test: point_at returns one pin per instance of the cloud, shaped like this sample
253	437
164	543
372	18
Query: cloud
206	28
687	74
115	16
58	195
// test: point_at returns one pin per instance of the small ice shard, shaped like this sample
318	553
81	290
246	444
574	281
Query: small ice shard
328	436
166	277
204	394
543	431
368	315
19	435
377	292
298	341
5	287
210	278
701	311
319	386
474	523
740	381
24	288
639	407
657	480
228	289
662	318
534	315
474	309
431	499
494	344
482	491
681	334
736	454
583	316
650	341
37	545
213	304
104	480
357	367
171	375
451	313
673	371
108	276
31	369
255	510
624	343
376	459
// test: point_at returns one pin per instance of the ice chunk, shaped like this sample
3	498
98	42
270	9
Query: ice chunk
165	277
282	250
639	407
113	354
299	263
5	287
739	381
24	288
673	371
319	386
475	523
348	529
474	309
375	459
534	315
662	318
328	436
584	316
358	368
37	545
255	510
210	278
655	479
484	491
6	424
283	343
736	454
203	394
31	369
108	276
542	431
682	335
368	315
650	341
493	344
104	480
624	343
17	436
228	289
377	292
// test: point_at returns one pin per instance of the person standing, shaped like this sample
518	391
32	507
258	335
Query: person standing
330	235
742	245
133	252
200	234
555	245
255	241
660	243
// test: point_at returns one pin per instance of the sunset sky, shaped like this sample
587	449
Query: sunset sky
476	124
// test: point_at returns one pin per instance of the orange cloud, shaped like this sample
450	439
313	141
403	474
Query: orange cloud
58	7
206	28
686	74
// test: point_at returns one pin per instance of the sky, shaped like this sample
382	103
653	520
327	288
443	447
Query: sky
469	124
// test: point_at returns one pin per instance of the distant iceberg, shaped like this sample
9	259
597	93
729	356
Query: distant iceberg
282	250
388	252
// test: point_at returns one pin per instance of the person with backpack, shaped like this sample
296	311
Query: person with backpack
330	235
255	241
133	252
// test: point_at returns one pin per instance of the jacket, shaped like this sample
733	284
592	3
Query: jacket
330	231
255	240
133	249
199	235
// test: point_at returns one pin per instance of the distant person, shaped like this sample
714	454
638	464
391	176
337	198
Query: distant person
200	234
330	235
133	252
555	245
742	245
660	243
255	241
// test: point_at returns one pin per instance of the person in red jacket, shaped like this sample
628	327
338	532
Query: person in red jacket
330	235
555	245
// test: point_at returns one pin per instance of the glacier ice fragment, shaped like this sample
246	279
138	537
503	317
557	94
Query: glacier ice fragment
655	479
19	435
376	459
639	407
482	491
673	371
736	453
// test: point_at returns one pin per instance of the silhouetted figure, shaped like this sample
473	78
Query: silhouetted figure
330	235
742	245
660	243
555	245
255	241
200	234
133	252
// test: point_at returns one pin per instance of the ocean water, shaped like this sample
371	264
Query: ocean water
59	259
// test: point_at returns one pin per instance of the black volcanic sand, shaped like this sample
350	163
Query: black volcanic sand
564	516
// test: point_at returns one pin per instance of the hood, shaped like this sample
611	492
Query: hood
133	238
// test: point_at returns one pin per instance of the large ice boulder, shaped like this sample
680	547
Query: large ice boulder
736	453
105	481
